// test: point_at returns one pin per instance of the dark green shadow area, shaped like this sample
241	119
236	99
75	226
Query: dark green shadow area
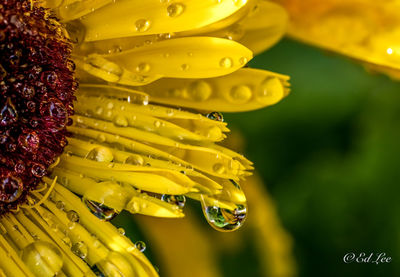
329	154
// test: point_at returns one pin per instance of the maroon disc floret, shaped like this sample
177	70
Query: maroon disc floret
37	88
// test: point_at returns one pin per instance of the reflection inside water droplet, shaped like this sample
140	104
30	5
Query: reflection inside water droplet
100	211
140	245
80	249
224	220
178	200
215	116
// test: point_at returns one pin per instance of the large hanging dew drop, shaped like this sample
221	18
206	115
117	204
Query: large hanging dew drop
42	258
100	211
225	220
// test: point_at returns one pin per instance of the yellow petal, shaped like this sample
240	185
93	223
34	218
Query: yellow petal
243	90
124	114
72	9
189	57
137	17
146	178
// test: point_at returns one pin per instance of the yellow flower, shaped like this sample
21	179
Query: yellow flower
365	30
144	134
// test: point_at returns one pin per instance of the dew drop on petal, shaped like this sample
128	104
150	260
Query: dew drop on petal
121	121
200	90
215	116
80	249
101	211
226	62
41	254
178	200
73	216
185	67
175	9
143	68
224	220
140	245
100	154
135	159
121	231
142	25
240	94
219	168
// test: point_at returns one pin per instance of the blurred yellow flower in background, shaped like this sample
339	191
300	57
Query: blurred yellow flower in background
365	30
144	134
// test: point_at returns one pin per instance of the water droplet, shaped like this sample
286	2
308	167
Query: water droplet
175	9
67	241
135	159
142	25
143	68
226	62
185	67
223	219
60	205
178	200
219	168
10	189
100	154
73	216
80	249
240	94
54	114
29	141
243	60
38	170
100	211
215	116
115	264
121	231
121	121
42	254
101	138
157	123
140	245
271	90
200	90
170	112
8	113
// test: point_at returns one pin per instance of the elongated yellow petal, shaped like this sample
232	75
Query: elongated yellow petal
146	178
243	90
263	27
113	195
124	114
136	17
72	9
205	158
189	57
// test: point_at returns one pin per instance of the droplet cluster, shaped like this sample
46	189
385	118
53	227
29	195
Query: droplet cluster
36	93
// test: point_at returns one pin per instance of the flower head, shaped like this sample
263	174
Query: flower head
143	133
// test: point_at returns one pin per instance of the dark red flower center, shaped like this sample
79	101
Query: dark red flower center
37	88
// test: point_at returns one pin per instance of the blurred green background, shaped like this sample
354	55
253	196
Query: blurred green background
329	155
